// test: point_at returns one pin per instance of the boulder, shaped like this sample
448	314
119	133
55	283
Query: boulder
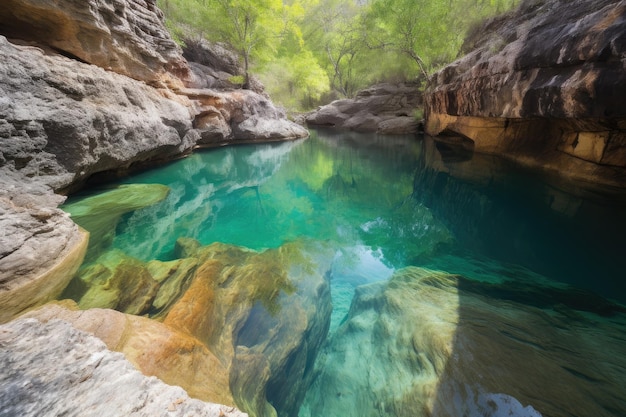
384	108
239	116
50	368
154	348
427	343
40	247
542	85
127	37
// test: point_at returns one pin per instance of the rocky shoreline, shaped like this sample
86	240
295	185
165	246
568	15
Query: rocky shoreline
86	90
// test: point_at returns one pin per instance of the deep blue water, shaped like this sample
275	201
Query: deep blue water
387	203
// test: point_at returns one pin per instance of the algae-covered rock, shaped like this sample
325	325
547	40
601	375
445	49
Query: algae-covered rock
100	213
264	314
261	315
115	281
428	343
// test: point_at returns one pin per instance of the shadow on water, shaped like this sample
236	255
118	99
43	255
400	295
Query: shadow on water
562	230
522	345
511	317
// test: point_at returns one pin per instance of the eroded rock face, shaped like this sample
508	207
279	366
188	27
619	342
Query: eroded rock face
384	108
428	343
40	247
75	372
127	37
543	85
63	120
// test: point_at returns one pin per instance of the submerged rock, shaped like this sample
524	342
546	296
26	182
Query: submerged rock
51	368
427	343
385	108
238	326
265	314
99	214
544	86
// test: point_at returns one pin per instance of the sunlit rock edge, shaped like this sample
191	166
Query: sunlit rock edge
542	85
76	375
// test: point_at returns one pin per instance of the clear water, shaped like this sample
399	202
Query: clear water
387	203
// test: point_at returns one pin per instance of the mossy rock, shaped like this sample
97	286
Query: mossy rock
99	214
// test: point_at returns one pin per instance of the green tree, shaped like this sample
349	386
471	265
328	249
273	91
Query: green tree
333	29
250	27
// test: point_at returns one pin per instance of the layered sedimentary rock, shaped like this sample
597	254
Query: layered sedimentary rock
542	85
40	247
127	37
63	120
383	108
262	315
428	343
52	369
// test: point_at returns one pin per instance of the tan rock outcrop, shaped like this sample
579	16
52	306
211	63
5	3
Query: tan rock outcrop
51	368
542	85
127	37
154	348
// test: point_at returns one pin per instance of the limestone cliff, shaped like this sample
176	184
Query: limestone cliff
543	85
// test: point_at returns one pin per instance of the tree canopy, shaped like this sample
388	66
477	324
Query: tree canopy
310	51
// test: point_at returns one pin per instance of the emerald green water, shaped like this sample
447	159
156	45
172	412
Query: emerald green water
386	203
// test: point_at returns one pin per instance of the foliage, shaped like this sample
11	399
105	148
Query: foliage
306	51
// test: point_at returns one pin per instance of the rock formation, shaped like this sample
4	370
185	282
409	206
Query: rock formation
126	37
427	343
543	85
52	369
384	108
238	327
94	89
40	247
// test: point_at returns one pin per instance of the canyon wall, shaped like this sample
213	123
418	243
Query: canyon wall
543	85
